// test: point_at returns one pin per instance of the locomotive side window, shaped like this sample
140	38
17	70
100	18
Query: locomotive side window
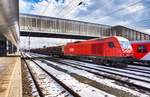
111	44
142	49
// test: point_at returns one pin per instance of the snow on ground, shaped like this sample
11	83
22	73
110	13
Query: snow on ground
106	82
131	80
49	87
38	55
118	69
34	90
27	54
82	89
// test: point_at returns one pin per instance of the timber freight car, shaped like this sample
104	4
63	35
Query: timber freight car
52	51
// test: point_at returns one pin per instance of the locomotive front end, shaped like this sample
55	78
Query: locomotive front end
127	50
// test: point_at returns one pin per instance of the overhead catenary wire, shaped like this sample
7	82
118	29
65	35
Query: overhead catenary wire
111	13
45	9
138	10
144	9
92	12
120	9
79	3
43	12
61	10
135	25
144	20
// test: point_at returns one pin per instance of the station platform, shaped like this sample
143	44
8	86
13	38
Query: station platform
10	77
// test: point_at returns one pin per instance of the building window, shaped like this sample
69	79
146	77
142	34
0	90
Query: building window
142	49
111	45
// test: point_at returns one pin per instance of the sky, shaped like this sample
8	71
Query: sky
130	13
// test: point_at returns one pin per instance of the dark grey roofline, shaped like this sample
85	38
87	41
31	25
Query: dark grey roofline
130	29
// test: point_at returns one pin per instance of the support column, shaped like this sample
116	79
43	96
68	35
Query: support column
3	47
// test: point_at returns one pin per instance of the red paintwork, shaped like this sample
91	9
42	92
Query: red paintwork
97	48
135	45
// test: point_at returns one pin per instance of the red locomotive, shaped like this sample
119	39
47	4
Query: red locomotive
109	50
107	47
141	50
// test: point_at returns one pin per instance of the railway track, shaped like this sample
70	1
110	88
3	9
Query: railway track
129	70
117	93
110	75
141	69
106	72
117	70
34	80
136	68
142	64
133	64
71	93
77	87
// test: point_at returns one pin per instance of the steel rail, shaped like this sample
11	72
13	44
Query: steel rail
104	75
58	81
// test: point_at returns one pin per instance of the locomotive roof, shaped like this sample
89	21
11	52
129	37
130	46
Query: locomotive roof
121	38
118	37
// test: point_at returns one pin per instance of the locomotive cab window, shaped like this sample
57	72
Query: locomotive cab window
142	49
111	44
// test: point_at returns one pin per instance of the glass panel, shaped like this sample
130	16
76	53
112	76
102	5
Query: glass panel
142	49
111	44
125	44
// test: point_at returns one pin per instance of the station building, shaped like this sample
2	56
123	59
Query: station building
129	33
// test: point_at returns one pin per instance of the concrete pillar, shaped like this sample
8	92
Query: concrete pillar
3	47
11	48
9	45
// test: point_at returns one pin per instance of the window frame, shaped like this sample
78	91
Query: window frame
141	49
111	45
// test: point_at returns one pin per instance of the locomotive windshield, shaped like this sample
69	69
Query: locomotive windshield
125	44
